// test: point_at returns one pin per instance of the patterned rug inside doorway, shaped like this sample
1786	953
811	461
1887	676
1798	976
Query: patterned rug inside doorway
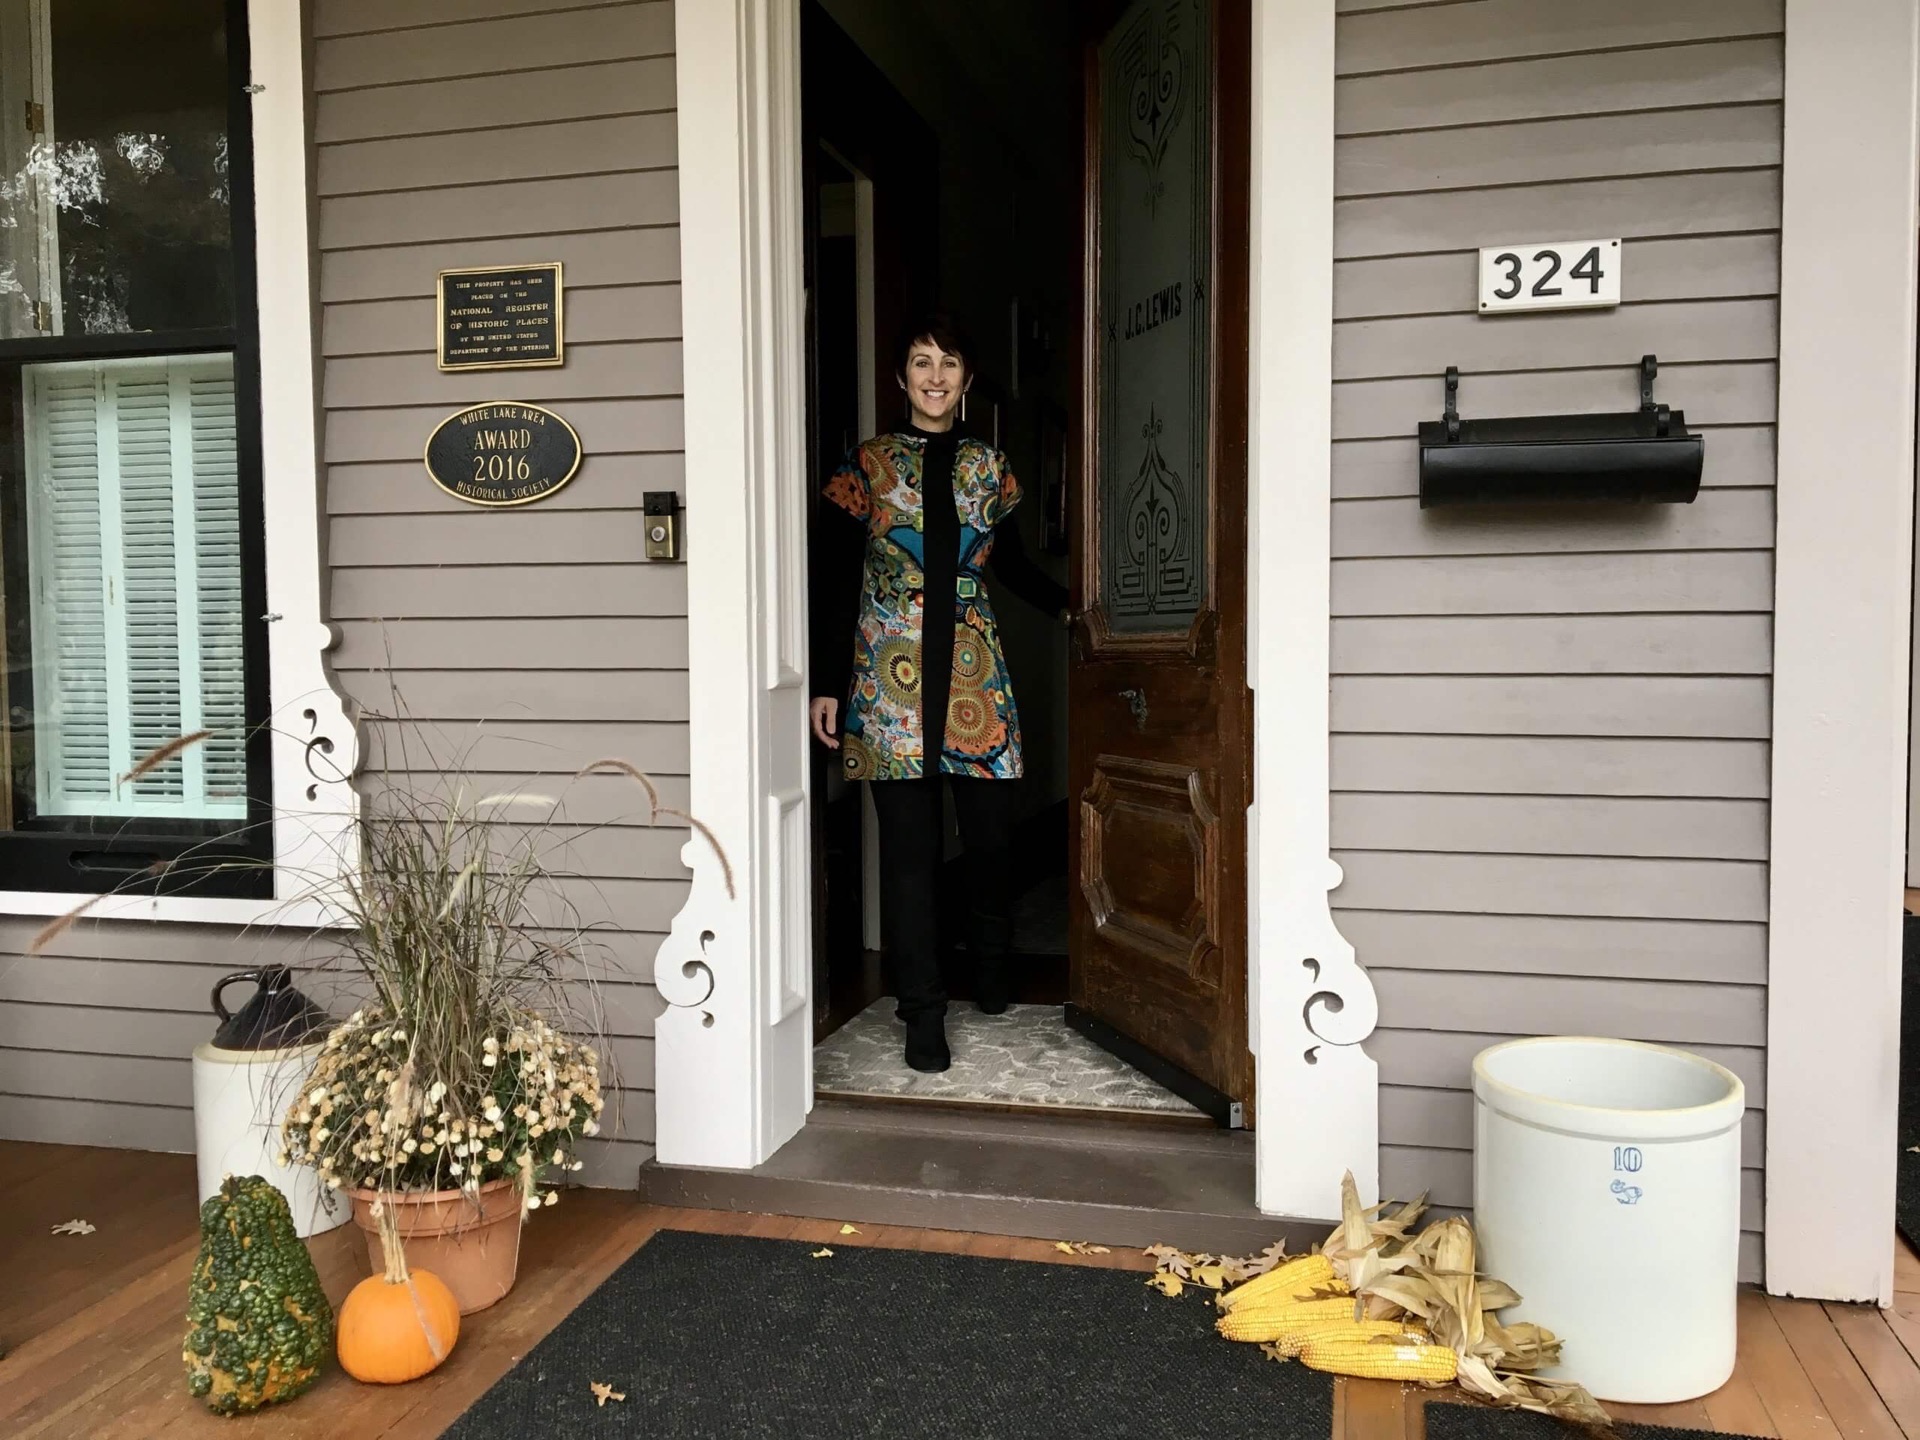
1027	1056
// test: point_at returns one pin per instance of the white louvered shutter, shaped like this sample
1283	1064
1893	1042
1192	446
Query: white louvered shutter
133	528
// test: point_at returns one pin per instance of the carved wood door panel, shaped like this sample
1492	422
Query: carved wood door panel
1160	720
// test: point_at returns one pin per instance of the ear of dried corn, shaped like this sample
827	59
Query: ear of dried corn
1382	1359
1289	1345
1261	1321
1295	1280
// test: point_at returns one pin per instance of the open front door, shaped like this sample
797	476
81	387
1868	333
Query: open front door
1161	733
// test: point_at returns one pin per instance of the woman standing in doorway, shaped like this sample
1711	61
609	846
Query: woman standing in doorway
916	640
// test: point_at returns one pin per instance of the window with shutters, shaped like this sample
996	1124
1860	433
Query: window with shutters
134	753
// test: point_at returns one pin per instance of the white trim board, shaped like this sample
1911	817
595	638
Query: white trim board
1843	575
315	744
733	1050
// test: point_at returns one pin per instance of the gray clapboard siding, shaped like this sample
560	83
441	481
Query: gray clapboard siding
1653	207
1712	952
494	695
1735	137
648	254
1678	332
140	985
1549	761
646	642
497	592
1743	393
613	1164
474	536
480	104
114	1079
1671	1012
1552	825
1688	268
542	747
1657	78
1550	765
1444	1058
401	487
603	145
82	1120
1554	644
1511	884
605	426
606	371
586	800
1728	520
405	327
358	17
1607	584
1505	29
95	1030
1641	705
597	202
528	41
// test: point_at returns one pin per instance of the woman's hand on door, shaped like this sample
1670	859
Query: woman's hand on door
825	714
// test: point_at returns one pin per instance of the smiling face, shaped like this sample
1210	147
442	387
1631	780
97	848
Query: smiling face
934	380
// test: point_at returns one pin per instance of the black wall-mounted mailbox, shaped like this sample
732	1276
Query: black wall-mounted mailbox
1645	455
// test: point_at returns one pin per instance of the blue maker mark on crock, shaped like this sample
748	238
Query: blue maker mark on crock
1626	1194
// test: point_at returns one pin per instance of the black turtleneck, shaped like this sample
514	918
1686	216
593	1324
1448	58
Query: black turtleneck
844	553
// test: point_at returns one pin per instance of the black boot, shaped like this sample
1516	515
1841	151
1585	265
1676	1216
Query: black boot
927	1044
992	983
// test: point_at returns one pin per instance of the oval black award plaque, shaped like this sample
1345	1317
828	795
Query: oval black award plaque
505	453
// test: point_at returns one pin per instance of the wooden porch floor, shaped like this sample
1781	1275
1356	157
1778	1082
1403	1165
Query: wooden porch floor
92	1324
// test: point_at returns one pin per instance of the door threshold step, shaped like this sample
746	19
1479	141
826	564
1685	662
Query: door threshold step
1044	1176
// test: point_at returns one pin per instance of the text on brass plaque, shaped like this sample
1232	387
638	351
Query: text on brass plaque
499	318
506	453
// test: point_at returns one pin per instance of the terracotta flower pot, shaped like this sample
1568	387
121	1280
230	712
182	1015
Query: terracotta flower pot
472	1243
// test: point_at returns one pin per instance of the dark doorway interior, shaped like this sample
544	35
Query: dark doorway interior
941	171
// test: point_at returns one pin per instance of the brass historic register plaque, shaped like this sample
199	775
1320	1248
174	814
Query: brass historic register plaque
502	317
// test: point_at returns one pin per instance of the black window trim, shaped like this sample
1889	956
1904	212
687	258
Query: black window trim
136	855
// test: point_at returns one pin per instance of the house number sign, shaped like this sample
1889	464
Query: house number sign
1549	275
506	453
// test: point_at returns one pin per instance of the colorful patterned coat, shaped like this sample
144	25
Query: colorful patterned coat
881	733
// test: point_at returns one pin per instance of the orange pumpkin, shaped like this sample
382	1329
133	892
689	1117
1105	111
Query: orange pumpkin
393	1331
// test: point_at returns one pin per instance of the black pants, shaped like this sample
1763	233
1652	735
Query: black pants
912	842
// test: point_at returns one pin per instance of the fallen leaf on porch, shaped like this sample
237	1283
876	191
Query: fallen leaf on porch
74	1227
1214	1277
849	1229
822	1253
604	1393
1166	1283
1080	1247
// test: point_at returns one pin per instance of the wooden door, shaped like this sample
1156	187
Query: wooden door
1160	720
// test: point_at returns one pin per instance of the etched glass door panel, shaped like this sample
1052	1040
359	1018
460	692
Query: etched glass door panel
1154	249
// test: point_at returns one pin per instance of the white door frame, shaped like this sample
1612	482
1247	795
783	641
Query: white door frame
733	1050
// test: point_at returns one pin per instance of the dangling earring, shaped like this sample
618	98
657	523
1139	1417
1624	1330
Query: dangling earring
963	407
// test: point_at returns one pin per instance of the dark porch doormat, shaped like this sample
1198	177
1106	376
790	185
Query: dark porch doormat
1482	1422
713	1335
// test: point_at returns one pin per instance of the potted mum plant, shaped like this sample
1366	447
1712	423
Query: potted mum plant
449	1100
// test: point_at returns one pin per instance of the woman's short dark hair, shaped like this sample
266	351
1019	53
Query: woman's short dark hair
940	328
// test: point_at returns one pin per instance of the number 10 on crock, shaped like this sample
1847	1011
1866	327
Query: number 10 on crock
1549	275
